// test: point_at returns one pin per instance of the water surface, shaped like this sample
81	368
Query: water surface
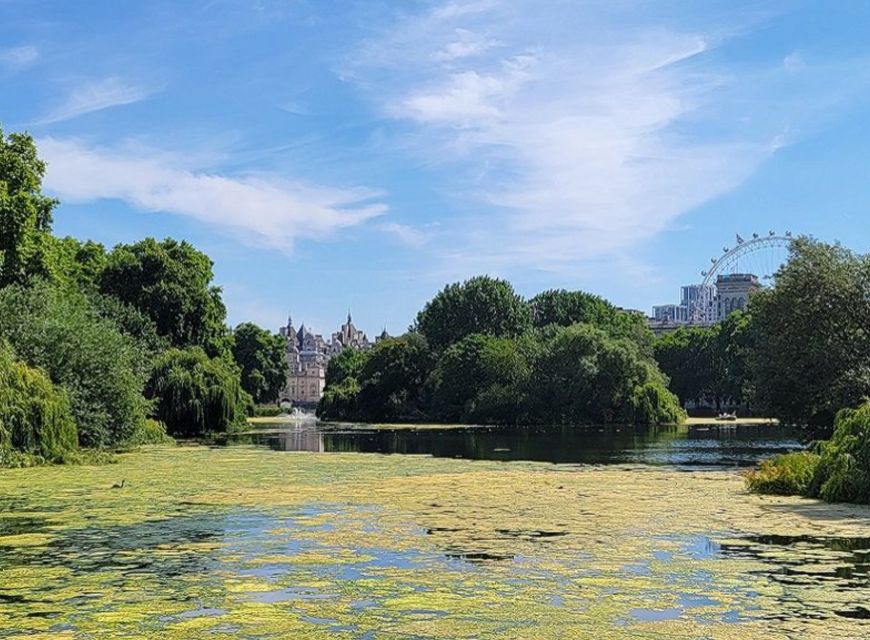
708	446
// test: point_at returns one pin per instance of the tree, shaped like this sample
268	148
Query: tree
35	419
348	363
564	308
585	376
25	214
684	356
472	368
195	395
811	335
102	370
261	357
170	282
479	305
393	377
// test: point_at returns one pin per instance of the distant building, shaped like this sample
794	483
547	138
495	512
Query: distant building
733	291
675	313
308	355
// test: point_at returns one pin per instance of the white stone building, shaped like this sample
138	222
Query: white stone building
308	355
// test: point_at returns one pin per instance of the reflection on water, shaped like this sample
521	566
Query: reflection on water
732	445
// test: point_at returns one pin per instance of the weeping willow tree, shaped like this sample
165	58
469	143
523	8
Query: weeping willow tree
35	421
195	395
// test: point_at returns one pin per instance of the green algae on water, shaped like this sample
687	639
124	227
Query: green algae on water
248	543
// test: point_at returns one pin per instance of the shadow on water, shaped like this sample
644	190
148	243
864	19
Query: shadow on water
835	563
732	445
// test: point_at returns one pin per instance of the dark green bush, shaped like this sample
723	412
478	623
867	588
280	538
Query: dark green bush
60	331
35	421
195	395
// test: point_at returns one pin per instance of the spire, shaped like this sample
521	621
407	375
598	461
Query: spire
348	316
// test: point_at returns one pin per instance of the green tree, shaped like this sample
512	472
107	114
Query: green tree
60	331
684	356
478	365
195	395
170	282
25	214
585	376
35	419
564	308
393	378
348	363
261	357
811	335
479	305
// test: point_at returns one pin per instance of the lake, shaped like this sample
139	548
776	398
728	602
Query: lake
686	447
305	532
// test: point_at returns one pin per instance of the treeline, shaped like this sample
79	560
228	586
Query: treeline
801	351
106	348
480	353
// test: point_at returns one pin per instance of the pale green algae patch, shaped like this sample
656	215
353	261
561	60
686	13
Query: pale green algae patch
249	543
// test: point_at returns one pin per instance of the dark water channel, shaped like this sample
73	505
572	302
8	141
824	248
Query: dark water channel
692	447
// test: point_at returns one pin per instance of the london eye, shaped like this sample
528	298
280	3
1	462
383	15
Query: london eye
760	255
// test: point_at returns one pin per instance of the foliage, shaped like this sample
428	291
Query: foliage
786	474
476	376
267	410
838	470
708	362
25	214
585	376
339	401
170	282
151	432
35	419
348	363
812	334
479	305
392	379
195	394
565	308
260	355
843	472
60	331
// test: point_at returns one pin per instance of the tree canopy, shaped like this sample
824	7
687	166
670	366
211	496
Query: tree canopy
35	420
101	369
811	334
480	305
25	213
261	358
195	395
170	282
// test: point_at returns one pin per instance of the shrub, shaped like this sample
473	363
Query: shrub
195	394
60	331
843	472
151	432
35	420
787	474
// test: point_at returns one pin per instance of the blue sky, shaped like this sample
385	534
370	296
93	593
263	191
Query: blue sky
361	154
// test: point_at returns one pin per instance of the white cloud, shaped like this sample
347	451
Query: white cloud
263	210
406	234
18	58
466	45
96	96
583	130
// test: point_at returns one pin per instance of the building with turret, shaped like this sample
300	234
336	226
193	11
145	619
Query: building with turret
308	355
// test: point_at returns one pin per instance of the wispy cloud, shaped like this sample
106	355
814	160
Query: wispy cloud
96	95
259	209
584	130
404	233
18	58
